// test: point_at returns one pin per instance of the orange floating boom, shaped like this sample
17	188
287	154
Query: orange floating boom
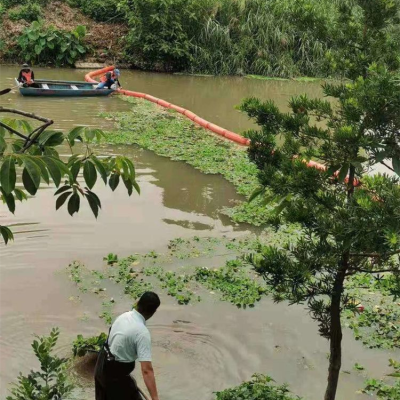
232	136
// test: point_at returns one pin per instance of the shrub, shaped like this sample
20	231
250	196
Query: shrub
39	44
7	4
261	387
162	31
99	10
29	12
51	382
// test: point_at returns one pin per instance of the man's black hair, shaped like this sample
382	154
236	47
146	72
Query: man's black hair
148	303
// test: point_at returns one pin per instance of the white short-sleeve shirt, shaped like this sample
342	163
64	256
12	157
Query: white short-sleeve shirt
129	338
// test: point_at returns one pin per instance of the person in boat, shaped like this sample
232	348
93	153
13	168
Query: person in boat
128	341
107	82
115	74
27	77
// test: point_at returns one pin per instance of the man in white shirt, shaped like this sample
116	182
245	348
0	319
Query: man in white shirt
129	340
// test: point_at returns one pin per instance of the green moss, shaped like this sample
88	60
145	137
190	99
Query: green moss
169	134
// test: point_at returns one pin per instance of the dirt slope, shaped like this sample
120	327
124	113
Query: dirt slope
104	39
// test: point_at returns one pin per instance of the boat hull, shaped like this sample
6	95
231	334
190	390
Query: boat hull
52	88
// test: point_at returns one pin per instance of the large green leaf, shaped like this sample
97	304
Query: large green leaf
51	138
43	169
73	204
8	175
28	183
128	185
75	134
75	168
113	181
63	189
61	199
100	168
132	172
93	203
20	195
33	170
136	186
6	233
89	173
9	199
80	31
54	169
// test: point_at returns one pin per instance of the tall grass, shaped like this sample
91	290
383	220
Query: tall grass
282	38
265	37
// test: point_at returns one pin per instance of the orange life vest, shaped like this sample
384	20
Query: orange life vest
27	76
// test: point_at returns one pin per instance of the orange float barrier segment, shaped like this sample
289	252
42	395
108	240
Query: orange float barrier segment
217	129
151	98
202	122
177	108
236	138
191	115
163	103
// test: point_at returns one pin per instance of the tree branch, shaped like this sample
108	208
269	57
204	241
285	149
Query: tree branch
14	131
367	271
34	138
374	255
26	114
387	166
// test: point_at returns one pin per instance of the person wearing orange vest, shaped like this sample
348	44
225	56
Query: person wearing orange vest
26	76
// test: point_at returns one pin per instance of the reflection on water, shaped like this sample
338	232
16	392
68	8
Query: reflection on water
211	345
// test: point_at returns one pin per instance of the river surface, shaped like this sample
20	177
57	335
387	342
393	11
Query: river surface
220	345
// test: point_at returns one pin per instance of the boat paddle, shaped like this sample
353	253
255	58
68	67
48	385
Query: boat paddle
5	91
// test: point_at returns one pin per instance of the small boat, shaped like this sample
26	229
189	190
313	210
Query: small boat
63	89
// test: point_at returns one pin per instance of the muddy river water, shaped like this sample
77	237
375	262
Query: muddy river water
218	346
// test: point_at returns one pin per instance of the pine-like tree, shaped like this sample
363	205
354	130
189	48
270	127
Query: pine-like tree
349	215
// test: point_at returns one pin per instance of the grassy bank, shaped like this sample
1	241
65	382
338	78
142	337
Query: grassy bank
169	134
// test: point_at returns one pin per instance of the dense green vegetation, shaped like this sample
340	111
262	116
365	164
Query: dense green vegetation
51	381
275	37
261	387
139	273
280	38
40	45
349	219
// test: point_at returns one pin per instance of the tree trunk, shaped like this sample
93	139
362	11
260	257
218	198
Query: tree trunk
335	359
